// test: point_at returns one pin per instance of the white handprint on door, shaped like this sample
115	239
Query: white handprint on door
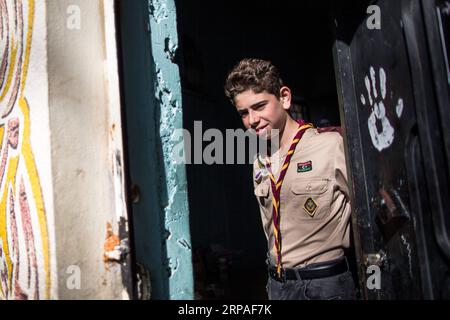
384	139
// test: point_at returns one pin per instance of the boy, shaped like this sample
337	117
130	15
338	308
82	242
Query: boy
304	200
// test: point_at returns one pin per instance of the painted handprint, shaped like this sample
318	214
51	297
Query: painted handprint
381	139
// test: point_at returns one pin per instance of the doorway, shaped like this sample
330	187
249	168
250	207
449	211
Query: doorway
229	246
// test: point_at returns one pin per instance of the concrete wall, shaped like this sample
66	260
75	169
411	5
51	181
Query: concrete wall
87	161
63	217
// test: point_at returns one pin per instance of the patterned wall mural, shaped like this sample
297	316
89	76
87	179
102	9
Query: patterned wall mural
24	242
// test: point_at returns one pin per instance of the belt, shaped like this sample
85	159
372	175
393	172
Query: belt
321	270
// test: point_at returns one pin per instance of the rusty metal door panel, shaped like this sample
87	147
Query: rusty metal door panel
395	148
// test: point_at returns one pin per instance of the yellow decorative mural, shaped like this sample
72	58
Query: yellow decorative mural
24	241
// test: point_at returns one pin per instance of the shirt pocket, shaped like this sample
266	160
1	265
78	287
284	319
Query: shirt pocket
310	199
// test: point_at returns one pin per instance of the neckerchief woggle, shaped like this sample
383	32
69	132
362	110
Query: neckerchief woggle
276	189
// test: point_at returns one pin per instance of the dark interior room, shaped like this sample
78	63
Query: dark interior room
229	246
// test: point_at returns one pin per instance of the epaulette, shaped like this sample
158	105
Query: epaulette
330	129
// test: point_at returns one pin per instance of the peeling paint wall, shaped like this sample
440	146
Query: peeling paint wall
164	41
153	105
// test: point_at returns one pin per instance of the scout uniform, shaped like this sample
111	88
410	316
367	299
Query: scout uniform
307	221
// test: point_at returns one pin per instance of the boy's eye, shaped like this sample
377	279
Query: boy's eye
259	106
244	114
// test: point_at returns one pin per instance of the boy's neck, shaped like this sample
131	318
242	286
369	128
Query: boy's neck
288	134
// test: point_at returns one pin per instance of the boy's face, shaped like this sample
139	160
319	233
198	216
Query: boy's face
263	111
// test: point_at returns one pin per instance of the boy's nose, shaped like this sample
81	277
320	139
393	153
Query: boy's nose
253	119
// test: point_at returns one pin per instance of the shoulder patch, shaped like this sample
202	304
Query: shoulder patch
330	129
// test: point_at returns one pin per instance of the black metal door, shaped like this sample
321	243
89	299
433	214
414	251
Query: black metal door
392	104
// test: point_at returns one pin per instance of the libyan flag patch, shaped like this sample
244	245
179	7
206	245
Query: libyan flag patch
304	166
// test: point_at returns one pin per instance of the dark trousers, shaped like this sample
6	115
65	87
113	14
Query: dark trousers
337	287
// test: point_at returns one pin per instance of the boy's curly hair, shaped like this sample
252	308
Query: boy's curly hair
255	74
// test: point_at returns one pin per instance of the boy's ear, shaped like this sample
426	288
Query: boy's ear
285	97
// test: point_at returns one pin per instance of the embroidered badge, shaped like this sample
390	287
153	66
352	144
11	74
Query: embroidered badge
262	170
304	166
310	207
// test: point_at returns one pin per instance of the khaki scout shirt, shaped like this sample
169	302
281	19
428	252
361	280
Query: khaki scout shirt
310	231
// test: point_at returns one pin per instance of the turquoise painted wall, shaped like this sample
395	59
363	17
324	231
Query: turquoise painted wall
164	43
153	110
